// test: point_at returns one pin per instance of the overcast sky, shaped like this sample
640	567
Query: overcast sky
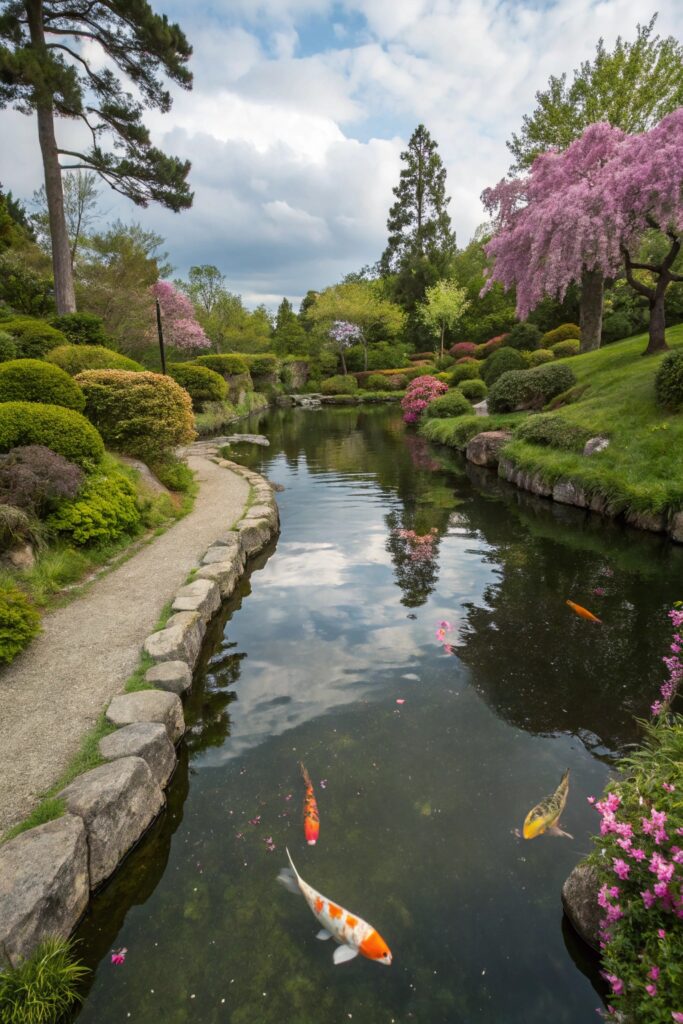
300	109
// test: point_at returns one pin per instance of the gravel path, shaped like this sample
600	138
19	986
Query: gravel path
53	692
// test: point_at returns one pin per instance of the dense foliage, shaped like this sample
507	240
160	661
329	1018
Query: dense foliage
465	371
76	358
553	431
453	403
474	390
34	380
540	356
43	988
226	364
669	381
104	510
33	478
529	389
34	337
562	333
8	346
201	383
524	337
500	362
146	415
81	328
19	623
564	349
339	385
65	431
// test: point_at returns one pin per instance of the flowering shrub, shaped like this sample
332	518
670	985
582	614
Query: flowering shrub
419	393
640	863
180	326
463	348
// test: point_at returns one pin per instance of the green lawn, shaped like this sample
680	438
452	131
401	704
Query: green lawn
642	469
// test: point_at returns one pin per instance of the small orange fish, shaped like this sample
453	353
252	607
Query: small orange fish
311	816
583	612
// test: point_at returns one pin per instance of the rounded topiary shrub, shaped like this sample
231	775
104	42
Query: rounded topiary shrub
540	356
562	333
34	337
103	510
669	381
551	380
19	622
81	328
553	432
465	371
451	404
529	389
524	337
509	392
228	364
564	349
465	359
463	348
146	415
499	363
76	358
339	385
34	380
376	382
8	346
201	383
64	431
264	365
473	390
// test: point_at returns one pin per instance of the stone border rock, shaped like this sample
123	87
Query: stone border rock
48	872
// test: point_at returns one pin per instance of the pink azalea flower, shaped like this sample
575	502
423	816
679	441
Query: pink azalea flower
648	898
616	984
661	933
669	787
654	973
400	700
621	868
661	890
637	853
590	799
677	1017
651	990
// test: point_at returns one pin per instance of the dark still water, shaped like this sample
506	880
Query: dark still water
420	801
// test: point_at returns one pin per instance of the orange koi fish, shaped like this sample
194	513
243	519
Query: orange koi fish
311	816
352	933
583	612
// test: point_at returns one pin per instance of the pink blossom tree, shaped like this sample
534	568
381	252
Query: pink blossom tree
180	326
589	209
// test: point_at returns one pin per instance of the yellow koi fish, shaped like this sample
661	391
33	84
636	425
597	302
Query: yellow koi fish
352	933
544	817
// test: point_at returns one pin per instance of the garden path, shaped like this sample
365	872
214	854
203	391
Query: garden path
54	692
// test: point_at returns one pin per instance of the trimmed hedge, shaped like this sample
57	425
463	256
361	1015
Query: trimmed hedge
540	356
19	622
262	365
64	431
201	383
339	385
81	328
146	415
564	349
669	381
228	364
452	404
562	333
553	432
499	363
529	388
33	380
473	390
465	371
34	337
105	509
76	358
8	347
524	337
376	382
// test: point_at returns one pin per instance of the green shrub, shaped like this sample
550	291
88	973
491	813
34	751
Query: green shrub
64	431
620	325
500	362
553	431
146	415
377	382
34	337
510	391
444	362
669	381
473	390
82	328
19	623
523	337
562	333
228	365
564	349
453	403
263	365
76	358
540	356
34	380
8	347
104	509
339	385
381	356
529	389
201	383
465	371
174	474
43	988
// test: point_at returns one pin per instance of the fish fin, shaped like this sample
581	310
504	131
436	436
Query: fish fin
306	777
554	830
288	879
323	935
344	953
291	863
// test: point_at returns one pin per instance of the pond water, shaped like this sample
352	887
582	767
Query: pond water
420	801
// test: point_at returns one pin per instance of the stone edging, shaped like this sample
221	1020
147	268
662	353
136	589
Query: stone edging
47	873
487	449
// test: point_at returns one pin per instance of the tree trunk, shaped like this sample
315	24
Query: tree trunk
343	361
657	339
443	330
61	250
365	355
592	293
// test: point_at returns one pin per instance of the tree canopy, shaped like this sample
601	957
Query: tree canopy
444	305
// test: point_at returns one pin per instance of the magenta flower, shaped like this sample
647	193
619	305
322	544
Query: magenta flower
256	820
661	890
651	990
677	1017
654	973
118	956
668	787
649	899
637	853
621	868
599	591
616	984
661	933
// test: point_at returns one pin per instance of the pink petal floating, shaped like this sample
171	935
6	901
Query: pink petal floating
256	820
400	700
118	956
323	783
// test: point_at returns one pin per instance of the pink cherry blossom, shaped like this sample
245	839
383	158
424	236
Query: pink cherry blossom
179	323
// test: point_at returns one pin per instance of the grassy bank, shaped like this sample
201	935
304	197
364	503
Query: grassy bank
642	469
216	416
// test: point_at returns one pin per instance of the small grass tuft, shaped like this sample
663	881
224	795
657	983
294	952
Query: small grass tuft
43	988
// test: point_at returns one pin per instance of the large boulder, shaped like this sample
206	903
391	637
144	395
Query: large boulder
44	885
655	523
254	534
676	527
568	493
149	706
116	802
180	639
484	449
580	902
173	676
148	740
201	596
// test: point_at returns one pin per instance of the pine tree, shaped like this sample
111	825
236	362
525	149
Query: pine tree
421	241
45	69
289	337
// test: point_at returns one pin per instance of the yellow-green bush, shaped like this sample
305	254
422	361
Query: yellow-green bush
64	431
565	349
226	364
562	333
19	622
339	385
539	356
104	509
201	383
75	359
34	380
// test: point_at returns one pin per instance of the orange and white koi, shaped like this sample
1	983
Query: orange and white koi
311	816
583	612
352	933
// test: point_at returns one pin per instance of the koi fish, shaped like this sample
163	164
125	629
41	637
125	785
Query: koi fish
544	817
352	933
583	612
311	816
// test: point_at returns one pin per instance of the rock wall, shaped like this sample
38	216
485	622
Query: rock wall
47	873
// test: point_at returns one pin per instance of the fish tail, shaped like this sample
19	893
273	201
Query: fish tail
306	777
565	777
291	863
287	879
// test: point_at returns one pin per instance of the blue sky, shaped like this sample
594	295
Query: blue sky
301	108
